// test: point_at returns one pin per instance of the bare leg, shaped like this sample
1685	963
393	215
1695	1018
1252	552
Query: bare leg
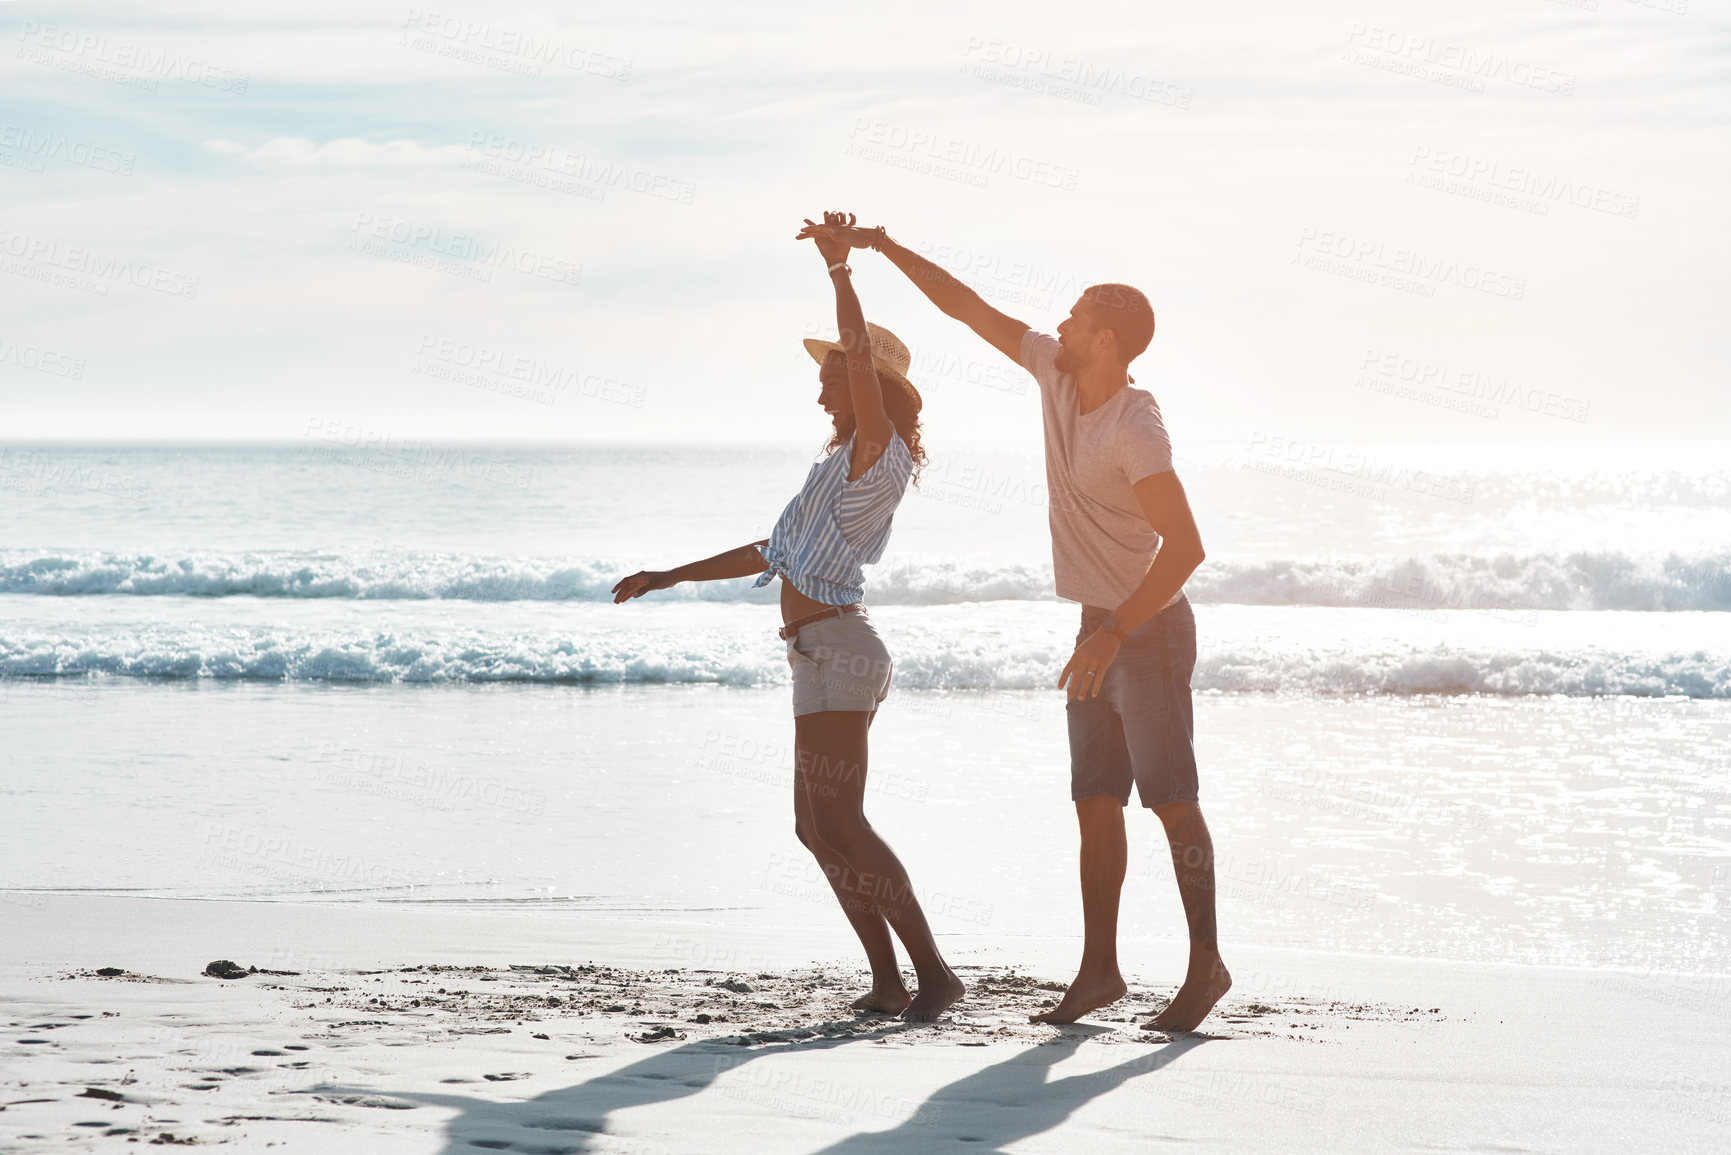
888	994
832	753
1104	854
1206	981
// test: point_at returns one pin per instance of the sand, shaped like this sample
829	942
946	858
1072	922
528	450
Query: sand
428	1029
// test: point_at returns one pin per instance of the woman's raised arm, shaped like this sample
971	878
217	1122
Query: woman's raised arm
872	428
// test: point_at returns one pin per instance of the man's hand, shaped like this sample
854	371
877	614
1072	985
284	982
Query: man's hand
639	584
1086	669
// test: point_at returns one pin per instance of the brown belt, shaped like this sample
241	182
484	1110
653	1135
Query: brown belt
787	632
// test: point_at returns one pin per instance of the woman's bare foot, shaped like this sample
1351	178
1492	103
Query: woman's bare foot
1087	993
935	998
1206	984
884	999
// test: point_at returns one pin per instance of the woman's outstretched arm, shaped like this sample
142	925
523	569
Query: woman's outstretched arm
872	428
741	562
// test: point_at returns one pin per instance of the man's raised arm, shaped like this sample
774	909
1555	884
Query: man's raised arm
946	292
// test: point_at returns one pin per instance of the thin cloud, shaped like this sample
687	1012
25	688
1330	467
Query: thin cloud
344	152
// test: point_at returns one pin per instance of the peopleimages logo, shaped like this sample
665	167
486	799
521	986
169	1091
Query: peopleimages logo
1456	65
1519	180
487	147
541	379
877	140
1470	385
88	50
498	45
44	145
40	473
1349	470
44	253
419	460
1066	77
1364	257
976	266
464	247
41	360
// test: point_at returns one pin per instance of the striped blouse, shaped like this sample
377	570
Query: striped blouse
834	526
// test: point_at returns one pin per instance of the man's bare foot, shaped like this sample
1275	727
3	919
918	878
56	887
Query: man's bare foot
934	999
883	999
1087	993
1205	985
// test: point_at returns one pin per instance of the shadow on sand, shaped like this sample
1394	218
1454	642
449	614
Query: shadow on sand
1009	1101
986	1110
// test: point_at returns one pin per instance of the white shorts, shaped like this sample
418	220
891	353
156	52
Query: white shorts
839	663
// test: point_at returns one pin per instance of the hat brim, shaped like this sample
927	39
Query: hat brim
820	349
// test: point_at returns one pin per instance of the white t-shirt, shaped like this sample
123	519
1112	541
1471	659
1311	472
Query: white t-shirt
1101	542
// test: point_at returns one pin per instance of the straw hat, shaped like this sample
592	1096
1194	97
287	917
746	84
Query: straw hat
888	354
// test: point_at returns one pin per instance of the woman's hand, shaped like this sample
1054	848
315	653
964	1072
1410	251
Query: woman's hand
836	236
639	584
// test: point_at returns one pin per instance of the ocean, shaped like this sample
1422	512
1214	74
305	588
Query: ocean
1466	701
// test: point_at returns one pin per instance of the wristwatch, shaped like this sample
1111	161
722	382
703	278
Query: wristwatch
1111	626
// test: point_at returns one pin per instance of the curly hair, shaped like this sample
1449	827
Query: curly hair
902	404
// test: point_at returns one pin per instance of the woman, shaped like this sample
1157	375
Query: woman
841	669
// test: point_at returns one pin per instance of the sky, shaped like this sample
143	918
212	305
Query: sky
1356	221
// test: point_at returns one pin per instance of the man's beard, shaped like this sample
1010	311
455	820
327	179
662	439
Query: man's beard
1069	360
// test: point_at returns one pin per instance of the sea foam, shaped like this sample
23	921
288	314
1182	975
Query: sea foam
926	660
1540	581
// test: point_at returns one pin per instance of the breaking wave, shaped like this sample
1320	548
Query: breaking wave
926	659
1545	581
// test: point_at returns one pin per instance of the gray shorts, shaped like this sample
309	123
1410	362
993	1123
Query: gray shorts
1141	727
839	663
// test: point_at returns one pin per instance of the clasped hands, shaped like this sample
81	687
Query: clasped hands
837	235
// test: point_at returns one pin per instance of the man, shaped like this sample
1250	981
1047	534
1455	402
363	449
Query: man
1123	544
